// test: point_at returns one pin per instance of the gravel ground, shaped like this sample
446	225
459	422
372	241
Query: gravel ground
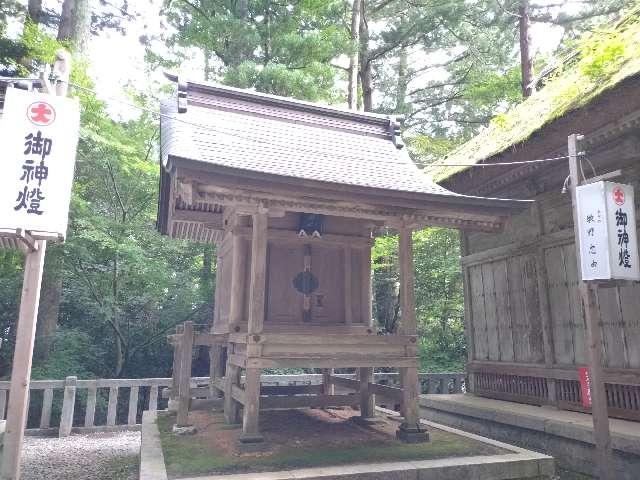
96	456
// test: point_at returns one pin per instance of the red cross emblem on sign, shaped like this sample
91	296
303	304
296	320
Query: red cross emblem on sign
41	113
618	195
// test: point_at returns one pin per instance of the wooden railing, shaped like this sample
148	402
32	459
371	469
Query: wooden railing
88	405
73	405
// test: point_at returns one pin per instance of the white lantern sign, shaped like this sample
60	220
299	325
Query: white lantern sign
38	140
607	225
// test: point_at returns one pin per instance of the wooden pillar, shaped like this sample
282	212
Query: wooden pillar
328	388
544	304
175	373
367	315
250	429
21	369
258	273
184	386
216	370
410	430
367	399
348	292
468	315
238	287
599	410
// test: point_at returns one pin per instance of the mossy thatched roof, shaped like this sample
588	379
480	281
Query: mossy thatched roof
605	58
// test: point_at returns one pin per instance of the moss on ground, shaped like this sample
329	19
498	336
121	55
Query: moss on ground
185	455
123	468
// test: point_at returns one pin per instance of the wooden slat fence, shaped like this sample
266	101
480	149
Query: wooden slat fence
73	405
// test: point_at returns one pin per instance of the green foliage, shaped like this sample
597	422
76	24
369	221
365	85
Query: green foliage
124	285
438	292
74	352
280	48
604	58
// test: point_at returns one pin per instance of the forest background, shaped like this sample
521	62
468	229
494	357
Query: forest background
116	287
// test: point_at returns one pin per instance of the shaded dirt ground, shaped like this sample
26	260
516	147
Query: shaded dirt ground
299	439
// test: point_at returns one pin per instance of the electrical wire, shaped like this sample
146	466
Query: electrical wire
243	136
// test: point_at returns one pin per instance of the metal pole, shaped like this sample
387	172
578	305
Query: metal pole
588	292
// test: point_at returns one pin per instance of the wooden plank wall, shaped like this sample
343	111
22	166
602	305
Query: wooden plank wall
505	308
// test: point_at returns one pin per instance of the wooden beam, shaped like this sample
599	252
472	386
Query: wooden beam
210	219
345	382
346	361
238	394
290	389
308	401
329	339
385	391
326	240
210	339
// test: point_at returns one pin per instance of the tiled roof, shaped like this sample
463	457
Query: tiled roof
294	139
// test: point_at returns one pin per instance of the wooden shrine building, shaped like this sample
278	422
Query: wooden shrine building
524	321
292	193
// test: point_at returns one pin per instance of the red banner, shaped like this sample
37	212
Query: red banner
585	386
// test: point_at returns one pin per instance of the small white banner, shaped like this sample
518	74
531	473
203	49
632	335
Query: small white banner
607	225
38	139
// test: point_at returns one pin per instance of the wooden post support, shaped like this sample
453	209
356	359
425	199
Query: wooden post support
68	407
410	430
216	370
600	417
367	399
232	379
184	386
22	358
251	410
328	388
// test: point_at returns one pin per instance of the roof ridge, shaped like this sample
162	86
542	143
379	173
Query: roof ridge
286	102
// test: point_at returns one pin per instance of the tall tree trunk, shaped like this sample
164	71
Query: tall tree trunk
74	24
401	95
49	305
526	60
34	8
352	94
365	63
207	64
